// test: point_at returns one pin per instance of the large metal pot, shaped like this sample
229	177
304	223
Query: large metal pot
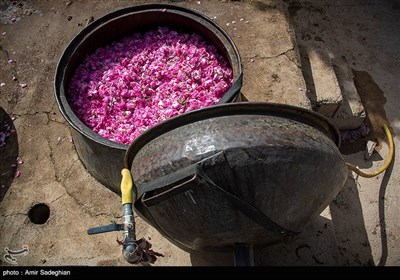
237	173
104	158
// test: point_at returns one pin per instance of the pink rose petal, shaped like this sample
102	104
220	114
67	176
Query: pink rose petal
20	160
123	89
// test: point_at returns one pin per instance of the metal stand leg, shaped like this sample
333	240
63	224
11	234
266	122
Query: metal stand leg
243	255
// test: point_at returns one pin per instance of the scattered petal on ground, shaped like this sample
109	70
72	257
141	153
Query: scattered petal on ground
18	173
20	160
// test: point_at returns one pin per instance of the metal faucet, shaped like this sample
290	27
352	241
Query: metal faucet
134	251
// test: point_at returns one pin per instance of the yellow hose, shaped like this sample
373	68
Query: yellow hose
387	163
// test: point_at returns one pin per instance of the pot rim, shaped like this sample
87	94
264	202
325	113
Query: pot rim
303	115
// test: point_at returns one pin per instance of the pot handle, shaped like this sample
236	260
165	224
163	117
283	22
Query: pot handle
163	188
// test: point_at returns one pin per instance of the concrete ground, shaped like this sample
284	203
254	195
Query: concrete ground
359	228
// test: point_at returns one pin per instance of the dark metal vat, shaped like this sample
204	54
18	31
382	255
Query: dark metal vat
103	158
240	173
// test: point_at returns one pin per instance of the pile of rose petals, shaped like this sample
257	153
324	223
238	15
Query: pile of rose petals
123	89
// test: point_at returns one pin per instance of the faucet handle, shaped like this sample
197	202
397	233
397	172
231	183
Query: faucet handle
104	229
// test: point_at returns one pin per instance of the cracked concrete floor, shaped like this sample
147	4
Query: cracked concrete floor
350	231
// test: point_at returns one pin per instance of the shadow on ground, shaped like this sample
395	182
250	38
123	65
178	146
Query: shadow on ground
8	152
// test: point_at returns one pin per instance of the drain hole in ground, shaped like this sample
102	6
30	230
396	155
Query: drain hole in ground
39	213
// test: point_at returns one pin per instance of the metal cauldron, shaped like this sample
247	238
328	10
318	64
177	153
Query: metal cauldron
104	158
241	173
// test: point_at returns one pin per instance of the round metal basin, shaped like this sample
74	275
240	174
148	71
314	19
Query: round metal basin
251	173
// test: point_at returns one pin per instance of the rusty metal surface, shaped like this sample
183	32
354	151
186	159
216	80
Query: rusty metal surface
281	159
